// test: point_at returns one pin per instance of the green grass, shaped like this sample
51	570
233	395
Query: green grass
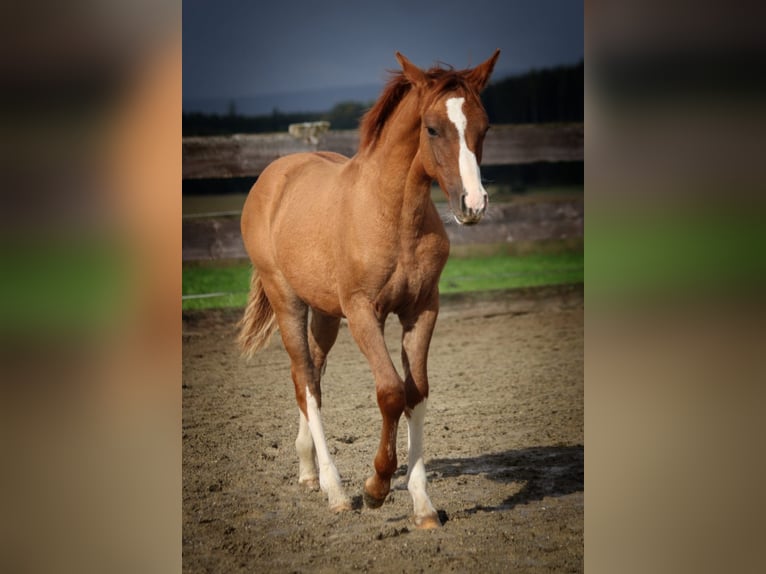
234	280
460	275
509	272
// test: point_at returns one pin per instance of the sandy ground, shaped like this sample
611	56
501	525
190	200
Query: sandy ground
504	447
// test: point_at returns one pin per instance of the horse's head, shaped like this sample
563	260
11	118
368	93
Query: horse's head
453	124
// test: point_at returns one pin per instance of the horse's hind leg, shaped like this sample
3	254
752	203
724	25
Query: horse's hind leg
323	332
416	337
321	335
308	475
292	316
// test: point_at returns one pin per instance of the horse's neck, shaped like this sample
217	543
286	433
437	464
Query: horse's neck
402	182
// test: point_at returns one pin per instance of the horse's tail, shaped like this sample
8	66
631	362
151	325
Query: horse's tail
259	322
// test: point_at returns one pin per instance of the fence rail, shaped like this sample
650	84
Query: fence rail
246	155
217	236
210	238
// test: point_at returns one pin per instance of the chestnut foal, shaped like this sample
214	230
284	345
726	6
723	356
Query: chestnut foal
360	238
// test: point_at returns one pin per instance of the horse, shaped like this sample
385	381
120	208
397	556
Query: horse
332	237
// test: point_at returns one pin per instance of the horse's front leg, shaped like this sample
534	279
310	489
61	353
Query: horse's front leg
416	338
367	330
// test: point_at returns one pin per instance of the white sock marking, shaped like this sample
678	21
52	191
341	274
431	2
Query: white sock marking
329	479
469	167
416	468
304	445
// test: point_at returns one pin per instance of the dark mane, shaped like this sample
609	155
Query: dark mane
440	80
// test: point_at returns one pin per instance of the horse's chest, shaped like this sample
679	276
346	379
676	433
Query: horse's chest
414	279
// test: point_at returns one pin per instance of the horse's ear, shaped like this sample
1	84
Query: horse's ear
415	75
479	76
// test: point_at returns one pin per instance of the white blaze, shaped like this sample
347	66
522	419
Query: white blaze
469	167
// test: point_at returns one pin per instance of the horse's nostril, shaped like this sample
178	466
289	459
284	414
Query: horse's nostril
463	207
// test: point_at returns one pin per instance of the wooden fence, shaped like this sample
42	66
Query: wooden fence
206	238
248	155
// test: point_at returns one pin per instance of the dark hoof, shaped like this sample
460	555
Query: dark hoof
371	502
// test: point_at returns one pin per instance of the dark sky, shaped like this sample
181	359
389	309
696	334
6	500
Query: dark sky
234	48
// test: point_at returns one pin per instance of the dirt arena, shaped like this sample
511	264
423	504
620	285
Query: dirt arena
503	447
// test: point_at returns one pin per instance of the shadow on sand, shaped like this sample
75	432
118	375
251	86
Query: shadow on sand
543	471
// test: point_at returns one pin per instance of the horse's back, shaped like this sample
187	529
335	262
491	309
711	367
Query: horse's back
293	204
293	179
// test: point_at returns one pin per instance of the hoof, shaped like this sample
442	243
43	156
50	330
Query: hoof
371	502
311	483
427	522
341	506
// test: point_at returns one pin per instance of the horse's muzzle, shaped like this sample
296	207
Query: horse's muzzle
471	215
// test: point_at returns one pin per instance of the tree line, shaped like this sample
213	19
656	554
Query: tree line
547	95
539	96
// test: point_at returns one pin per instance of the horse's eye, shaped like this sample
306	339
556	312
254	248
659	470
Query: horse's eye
432	132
